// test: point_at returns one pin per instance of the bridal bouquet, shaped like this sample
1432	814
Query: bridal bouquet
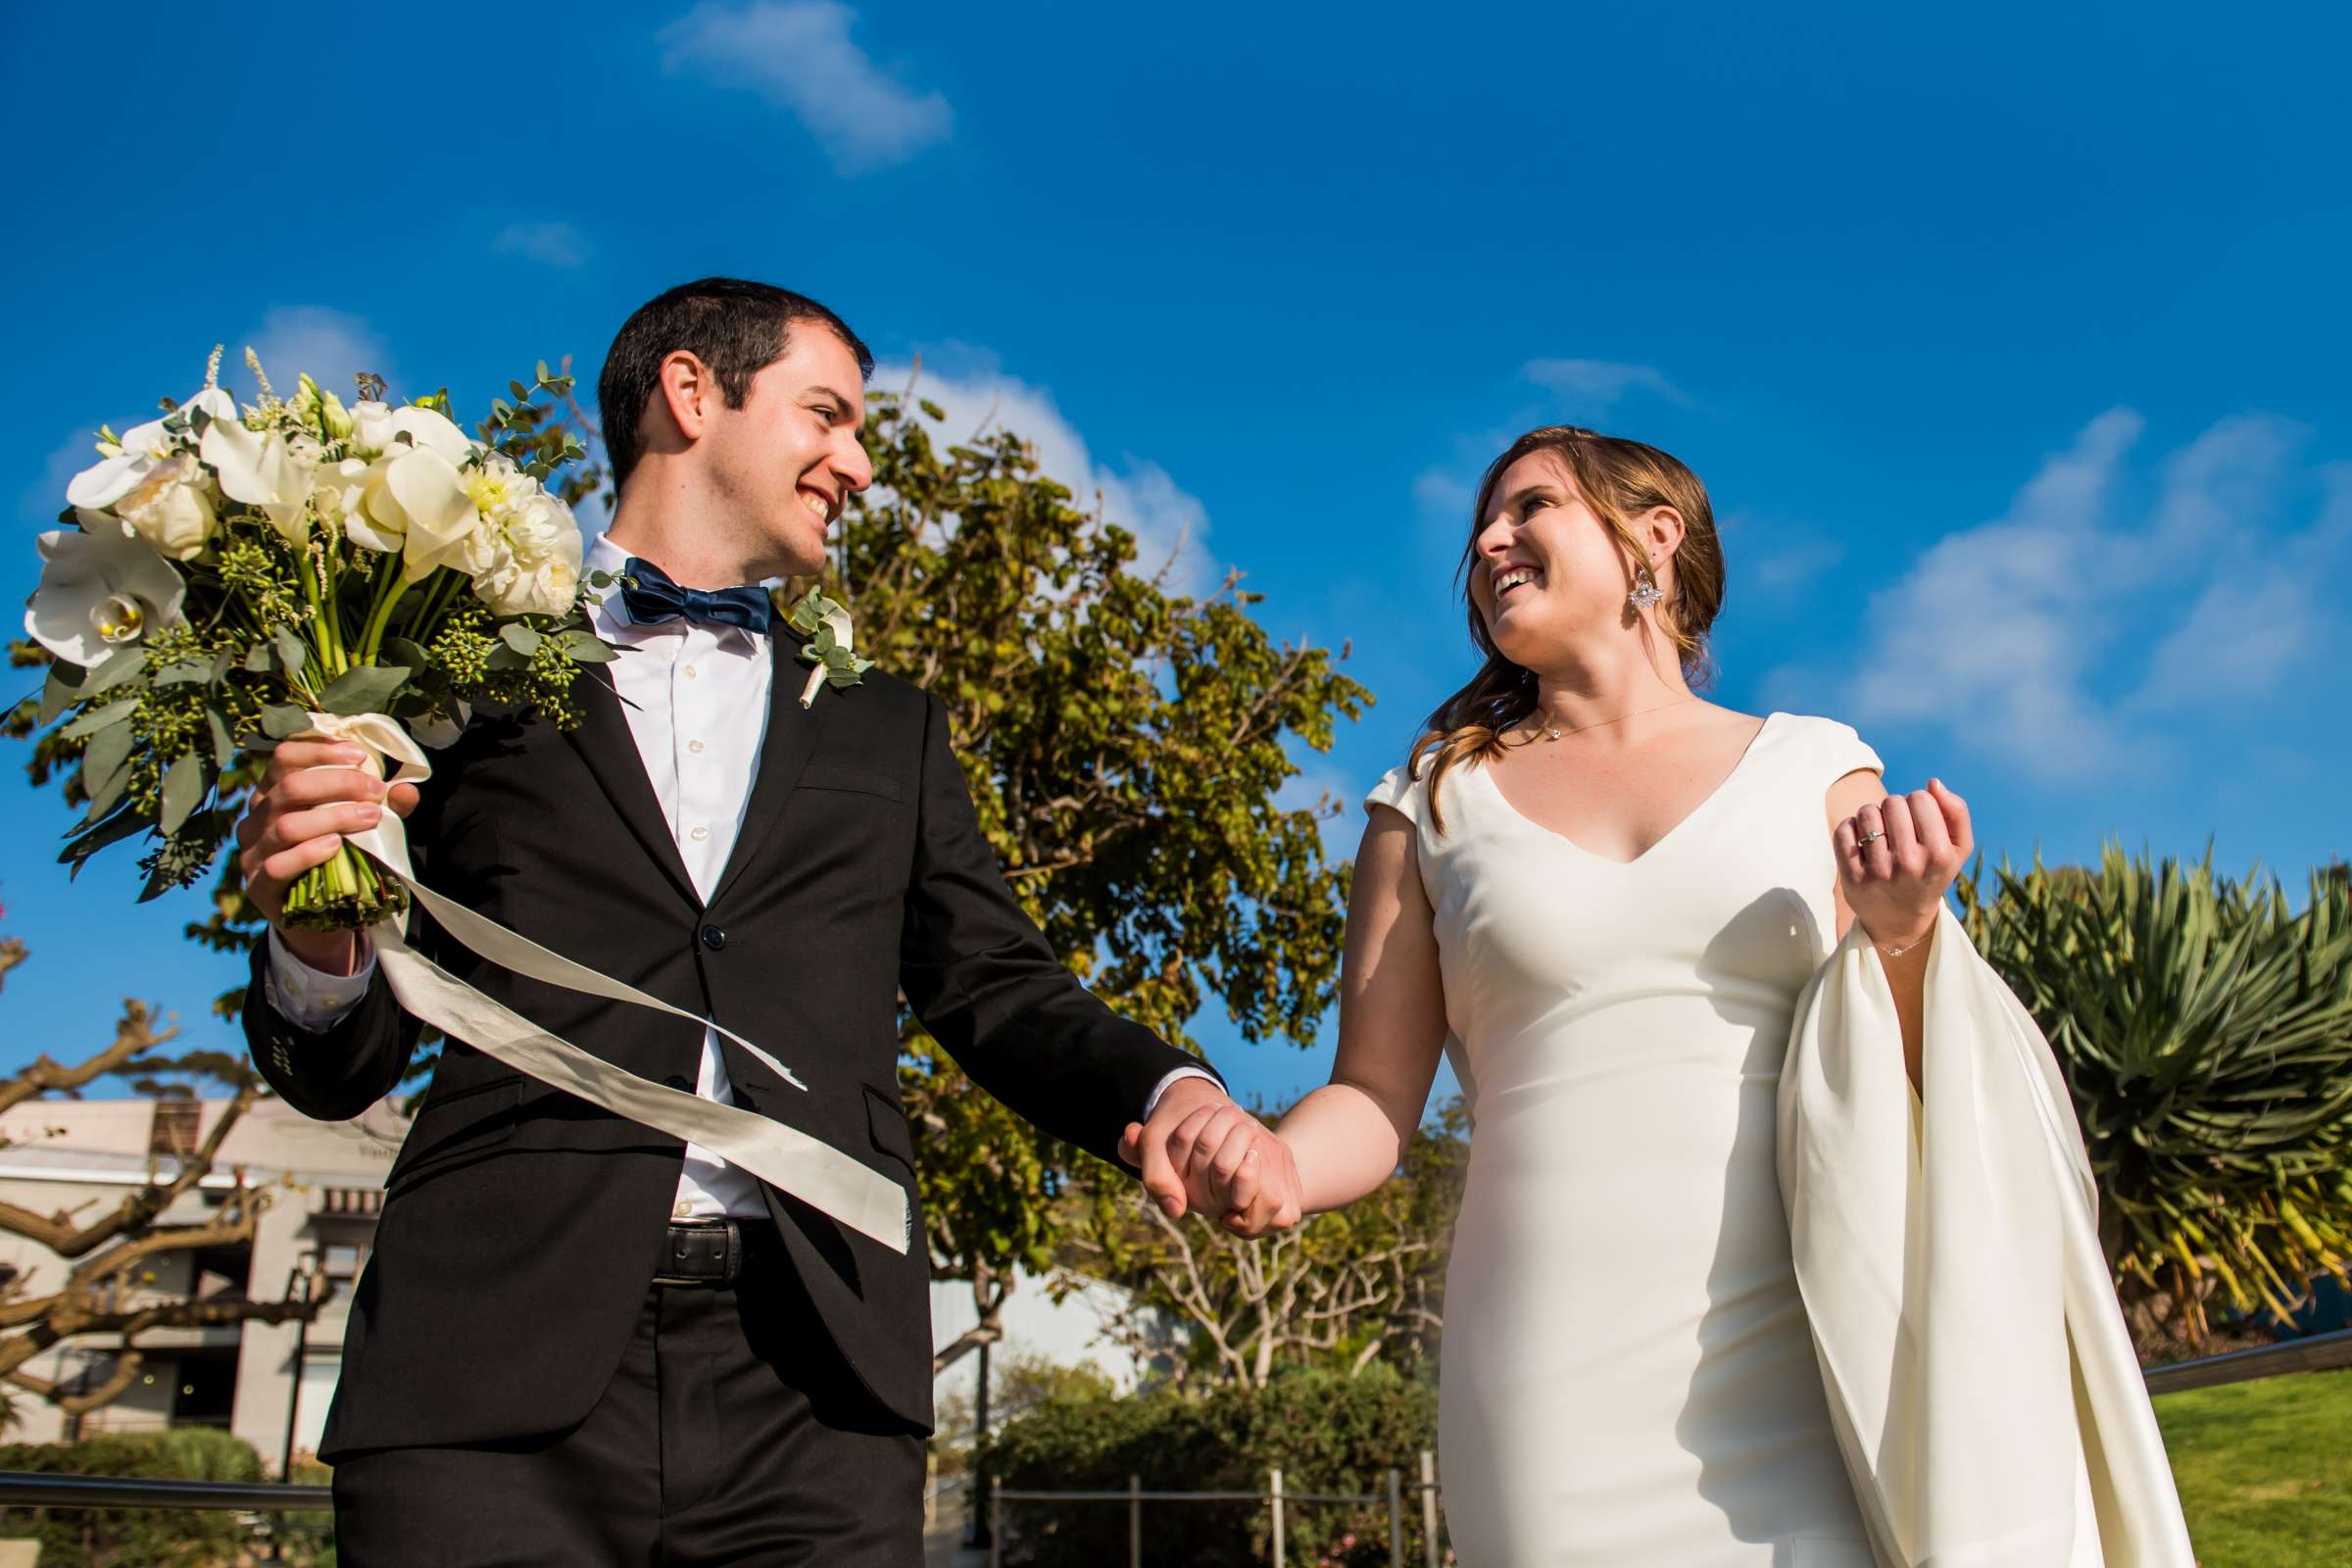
231	574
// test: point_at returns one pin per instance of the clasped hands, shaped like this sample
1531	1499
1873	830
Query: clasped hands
1203	1153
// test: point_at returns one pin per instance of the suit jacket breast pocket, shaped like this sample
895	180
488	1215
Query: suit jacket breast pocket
852	780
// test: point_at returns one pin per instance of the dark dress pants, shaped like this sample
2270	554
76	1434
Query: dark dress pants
731	1434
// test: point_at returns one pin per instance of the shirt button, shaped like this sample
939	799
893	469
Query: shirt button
681	1208
696	747
699	834
688	673
713	937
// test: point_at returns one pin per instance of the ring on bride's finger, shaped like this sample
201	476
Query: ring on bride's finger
1870	838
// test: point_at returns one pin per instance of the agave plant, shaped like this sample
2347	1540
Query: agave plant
2204	1025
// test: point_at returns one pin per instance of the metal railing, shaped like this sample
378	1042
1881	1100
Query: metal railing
20	1489
1274	1497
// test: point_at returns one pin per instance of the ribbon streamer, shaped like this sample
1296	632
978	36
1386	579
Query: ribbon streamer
787	1158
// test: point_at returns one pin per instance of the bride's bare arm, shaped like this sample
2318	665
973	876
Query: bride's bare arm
1347	1137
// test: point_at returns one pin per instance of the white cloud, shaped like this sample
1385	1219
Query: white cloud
552	243
331	345
2052	634
1169	523
1589	387
796	54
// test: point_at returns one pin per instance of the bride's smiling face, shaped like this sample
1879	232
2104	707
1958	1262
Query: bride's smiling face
1550	574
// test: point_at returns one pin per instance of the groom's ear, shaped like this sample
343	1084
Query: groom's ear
686	396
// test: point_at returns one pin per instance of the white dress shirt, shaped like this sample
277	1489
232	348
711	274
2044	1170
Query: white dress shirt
697	701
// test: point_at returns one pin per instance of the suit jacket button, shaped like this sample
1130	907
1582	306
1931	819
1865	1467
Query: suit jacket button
713	937
679	1082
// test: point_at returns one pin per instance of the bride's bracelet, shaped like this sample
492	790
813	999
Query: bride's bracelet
1899	952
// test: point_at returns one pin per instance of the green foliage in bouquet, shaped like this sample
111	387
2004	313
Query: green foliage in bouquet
2205	1028
229	572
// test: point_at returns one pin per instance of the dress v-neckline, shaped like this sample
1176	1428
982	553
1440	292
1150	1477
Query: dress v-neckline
1723	786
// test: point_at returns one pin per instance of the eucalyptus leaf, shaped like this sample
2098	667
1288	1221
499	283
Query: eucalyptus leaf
293	653
587	648
261	659
522	639
282	721
405	653
109	753
365	690
57	695
225	748
186	672
98	718
116	828
504	657
113	670
183	791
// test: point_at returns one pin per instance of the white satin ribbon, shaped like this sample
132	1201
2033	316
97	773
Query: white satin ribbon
1980	1376
789	1160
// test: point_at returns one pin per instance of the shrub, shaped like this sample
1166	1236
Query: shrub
1326	1432
134	1538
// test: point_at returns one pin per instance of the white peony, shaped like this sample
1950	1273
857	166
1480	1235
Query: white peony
127	462
100	591
536	569
172	507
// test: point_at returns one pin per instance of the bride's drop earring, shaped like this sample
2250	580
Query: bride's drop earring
1645	590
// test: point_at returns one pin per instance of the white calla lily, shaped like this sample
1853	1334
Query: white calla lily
260	471
98	592
443	526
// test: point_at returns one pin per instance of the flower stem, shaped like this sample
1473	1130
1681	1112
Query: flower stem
372	639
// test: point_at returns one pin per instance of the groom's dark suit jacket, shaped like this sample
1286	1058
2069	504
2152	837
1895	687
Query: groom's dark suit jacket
520	1225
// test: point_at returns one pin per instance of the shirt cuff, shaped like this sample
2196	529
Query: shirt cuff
1160	1089
312	1000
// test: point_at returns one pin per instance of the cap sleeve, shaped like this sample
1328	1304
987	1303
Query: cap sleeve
1398	790
1843	750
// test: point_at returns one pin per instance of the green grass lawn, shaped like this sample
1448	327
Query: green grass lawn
2266	1470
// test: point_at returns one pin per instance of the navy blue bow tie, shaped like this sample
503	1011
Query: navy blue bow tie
651	597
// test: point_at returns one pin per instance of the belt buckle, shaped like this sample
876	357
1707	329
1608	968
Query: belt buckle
677	1266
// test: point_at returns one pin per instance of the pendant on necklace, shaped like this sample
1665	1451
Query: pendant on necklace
1551	735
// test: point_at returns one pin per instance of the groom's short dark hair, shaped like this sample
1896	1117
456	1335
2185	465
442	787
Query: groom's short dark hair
737	328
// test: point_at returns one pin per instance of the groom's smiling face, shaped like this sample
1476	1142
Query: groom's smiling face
789	459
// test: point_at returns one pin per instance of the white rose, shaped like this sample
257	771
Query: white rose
172	508
98	592
371	429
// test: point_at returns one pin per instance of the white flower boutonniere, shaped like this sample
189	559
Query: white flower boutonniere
827	628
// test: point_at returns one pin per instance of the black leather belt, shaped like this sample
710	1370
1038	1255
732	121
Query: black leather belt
710	1253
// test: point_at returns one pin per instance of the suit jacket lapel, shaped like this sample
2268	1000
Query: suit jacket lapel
604	742
792	737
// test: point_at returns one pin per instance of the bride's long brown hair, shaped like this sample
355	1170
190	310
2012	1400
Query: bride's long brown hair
1620	480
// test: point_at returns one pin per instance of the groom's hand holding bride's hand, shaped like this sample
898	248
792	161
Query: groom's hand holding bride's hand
1202	1153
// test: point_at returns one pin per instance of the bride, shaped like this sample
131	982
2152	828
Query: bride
1615	904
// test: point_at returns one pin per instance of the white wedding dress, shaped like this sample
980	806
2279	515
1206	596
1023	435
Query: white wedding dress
1629	1373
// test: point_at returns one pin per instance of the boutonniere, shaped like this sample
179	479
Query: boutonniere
826	624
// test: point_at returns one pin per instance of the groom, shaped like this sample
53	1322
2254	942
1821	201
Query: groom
580	1342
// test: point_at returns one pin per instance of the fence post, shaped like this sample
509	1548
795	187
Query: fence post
1135	1522
1282	1555
1429	1505
996	1531
1396	1517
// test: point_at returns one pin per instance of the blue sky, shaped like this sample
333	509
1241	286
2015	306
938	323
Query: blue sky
2010	343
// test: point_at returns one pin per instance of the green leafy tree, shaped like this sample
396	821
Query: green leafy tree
1125	745
2204	1025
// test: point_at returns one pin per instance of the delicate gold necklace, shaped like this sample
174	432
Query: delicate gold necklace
1552	732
